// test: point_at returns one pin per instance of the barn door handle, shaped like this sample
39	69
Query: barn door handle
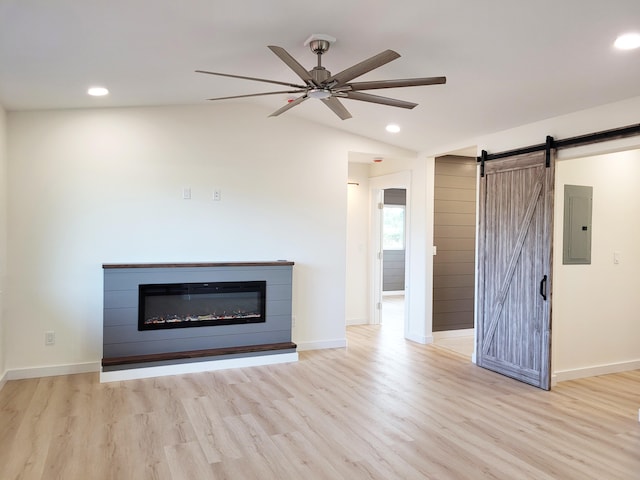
543	287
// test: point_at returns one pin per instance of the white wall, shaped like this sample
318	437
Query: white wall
3	239
358	299
603	346
104	186
595	307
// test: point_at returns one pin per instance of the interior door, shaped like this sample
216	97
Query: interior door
514	268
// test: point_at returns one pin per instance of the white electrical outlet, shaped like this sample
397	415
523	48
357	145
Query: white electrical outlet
217	195
50	338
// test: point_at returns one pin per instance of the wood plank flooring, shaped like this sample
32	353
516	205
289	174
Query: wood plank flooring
383	408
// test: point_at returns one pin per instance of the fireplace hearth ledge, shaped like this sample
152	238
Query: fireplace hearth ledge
113	363
197	367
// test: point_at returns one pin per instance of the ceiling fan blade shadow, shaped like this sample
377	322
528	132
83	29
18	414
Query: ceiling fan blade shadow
334	104
403	82
362	67
367	97
293	64
289	105
252	78
256	94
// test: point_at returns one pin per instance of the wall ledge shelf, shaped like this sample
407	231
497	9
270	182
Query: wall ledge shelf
277	263
196	354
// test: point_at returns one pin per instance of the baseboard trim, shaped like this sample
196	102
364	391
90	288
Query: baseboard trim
392	293
3	380
52	371
197	367
465	332
357	321
424	340
576	373
322	344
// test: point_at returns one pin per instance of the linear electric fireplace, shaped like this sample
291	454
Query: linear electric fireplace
179	305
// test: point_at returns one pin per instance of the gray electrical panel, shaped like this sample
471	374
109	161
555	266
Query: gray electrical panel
578	201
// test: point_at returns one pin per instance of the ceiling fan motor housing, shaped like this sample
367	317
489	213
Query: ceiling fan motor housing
320	74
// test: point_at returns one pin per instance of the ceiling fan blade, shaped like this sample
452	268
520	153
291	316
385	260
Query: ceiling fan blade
367	97
252	78
256	94
334	104
362	67
293	64
405	82
289	105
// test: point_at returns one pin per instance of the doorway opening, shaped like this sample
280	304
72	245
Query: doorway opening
393	223
390	252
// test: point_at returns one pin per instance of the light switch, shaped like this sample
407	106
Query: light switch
616	258
186	193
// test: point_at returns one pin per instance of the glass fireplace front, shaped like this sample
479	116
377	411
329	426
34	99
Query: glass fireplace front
178	305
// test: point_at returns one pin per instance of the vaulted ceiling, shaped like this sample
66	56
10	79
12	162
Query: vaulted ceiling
507	62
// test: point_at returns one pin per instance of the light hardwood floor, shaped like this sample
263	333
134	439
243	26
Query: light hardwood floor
393	323
383	408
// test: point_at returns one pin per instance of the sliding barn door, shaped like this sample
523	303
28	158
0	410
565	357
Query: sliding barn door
514	261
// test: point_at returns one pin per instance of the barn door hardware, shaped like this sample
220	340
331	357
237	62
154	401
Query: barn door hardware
543	288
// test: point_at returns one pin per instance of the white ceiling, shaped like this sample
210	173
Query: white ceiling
507	62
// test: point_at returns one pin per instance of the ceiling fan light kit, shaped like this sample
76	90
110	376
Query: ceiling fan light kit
320	84
319	93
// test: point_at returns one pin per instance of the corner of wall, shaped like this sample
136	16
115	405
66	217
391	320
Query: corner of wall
3	239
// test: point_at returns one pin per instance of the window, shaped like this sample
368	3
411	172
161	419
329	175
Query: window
393	227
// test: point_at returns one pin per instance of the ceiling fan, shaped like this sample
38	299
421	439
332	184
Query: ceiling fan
320	84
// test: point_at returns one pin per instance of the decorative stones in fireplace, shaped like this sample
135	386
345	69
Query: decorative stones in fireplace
240	309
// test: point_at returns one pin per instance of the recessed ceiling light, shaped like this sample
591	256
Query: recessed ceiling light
628	41
98	91
393	128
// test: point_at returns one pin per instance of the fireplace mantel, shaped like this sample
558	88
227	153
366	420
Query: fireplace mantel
127	347
277	263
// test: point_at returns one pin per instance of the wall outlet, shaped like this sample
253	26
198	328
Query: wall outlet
186	193
50	338
217	195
